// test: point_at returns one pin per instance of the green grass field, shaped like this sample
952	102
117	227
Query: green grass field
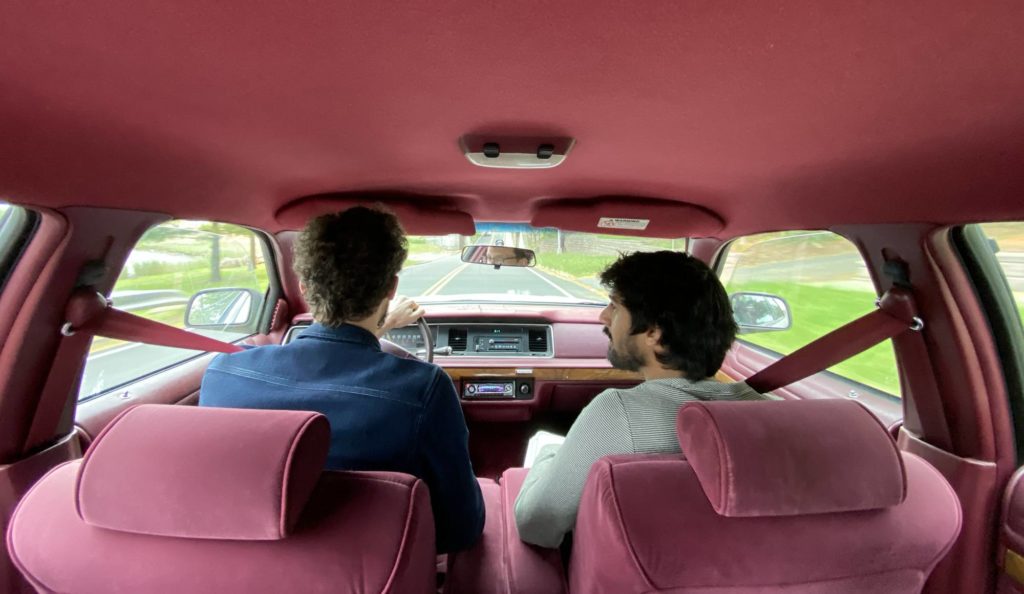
192	279
575	265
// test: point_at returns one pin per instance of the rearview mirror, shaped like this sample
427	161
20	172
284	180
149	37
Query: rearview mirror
498	256
760	312
222	308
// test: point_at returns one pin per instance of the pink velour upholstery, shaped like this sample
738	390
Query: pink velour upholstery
646	523
303	530
235	474
501	563
791	458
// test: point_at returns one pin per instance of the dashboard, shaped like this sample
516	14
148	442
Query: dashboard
512	363
475	339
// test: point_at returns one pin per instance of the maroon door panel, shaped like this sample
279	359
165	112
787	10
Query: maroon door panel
1010	556
177	385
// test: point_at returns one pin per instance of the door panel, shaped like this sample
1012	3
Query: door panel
177	385
1010	557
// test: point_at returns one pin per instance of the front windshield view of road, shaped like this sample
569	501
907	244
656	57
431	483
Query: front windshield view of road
567	269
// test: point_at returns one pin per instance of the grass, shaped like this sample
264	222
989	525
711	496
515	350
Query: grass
817	310
193	279
575	265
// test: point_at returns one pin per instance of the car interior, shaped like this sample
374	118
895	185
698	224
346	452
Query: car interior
852	172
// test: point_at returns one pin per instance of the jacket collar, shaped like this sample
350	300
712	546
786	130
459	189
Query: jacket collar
343	333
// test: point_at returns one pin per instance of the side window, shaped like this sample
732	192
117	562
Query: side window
1007	241
208	277
15	227
824	281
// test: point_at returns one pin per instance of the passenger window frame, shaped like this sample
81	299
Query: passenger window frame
263	317
857	389
13	246
990	285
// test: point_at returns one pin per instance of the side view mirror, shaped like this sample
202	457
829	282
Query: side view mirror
760	312
498	256
222	309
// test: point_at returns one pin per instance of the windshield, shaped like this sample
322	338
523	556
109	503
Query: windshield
567	270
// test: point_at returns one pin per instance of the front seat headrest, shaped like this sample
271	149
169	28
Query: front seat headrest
791	458
202	472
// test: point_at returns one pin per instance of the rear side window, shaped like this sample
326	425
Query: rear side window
825	283
16	225
208	277
1007	242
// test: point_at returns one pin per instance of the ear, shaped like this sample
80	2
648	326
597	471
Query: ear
394	287
653	338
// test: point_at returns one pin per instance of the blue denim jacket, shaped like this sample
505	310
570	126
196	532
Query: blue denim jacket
386	413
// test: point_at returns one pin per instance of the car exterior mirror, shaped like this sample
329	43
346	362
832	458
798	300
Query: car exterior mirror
760	312
499	255
222	308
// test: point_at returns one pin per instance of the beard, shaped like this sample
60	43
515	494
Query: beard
626	359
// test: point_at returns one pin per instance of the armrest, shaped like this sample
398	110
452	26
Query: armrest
500	563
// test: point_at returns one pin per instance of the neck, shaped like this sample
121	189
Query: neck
371	323
653	369
653	372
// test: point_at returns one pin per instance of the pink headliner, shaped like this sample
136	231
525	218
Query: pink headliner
773	114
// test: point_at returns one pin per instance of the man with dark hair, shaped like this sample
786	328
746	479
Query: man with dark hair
670	319
386	412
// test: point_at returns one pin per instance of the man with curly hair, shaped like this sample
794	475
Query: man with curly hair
668	318
386	412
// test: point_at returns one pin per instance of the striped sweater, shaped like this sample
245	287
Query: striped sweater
640	420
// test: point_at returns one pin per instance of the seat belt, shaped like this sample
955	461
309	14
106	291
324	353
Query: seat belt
896	318
895	315
91	313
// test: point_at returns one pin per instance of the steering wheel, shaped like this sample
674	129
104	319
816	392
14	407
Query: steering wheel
428	343
428	339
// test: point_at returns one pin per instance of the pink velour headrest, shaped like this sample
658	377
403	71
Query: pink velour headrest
190	472
791	458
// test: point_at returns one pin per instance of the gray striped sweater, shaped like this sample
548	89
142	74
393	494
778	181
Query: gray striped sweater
640	420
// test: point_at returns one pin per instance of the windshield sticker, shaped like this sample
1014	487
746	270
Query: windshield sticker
617	223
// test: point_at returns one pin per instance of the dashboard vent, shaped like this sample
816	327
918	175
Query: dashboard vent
457	339
538	341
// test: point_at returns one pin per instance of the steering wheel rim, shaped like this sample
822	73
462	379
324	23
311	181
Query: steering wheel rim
428	340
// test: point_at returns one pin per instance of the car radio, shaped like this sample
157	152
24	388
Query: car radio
509	344
501	389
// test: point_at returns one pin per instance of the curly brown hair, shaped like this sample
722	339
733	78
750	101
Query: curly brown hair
347	260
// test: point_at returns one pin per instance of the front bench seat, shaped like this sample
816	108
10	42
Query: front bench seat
788	497
184	499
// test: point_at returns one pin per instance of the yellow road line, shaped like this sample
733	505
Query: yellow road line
433	290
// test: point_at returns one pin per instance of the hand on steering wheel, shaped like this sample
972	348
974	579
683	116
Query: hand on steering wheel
406	312
403	312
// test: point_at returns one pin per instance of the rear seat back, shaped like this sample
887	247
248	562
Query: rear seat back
798	497
184	499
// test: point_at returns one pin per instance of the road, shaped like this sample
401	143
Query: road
122	364
449	276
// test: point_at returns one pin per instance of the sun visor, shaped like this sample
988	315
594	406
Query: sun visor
625	215
419	215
